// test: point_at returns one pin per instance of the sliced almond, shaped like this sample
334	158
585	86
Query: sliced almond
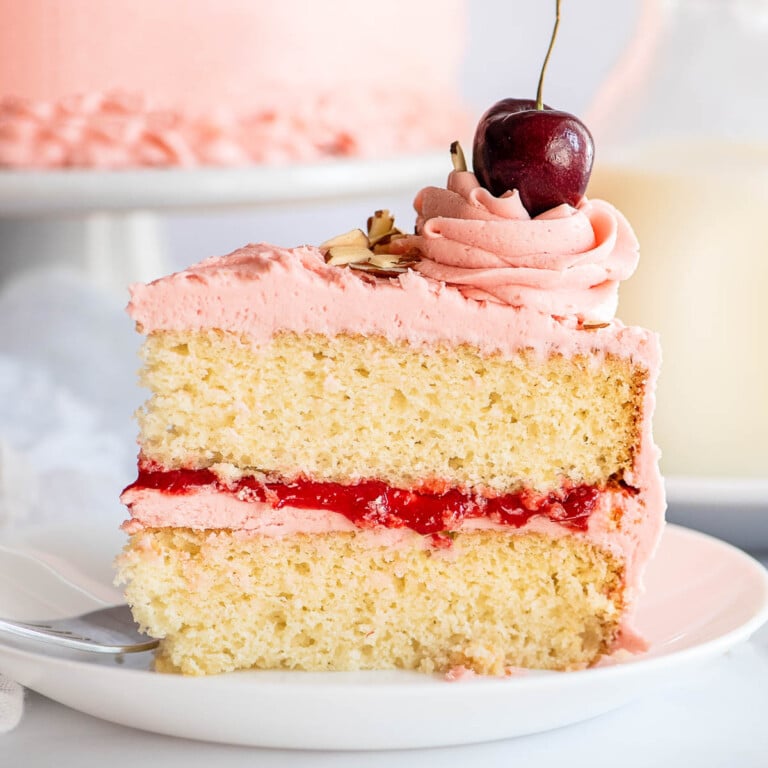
370	254
355	237
382	244
457	157
409	258
381	226
385	245
372	269
386	238
593	326
339	255
384	260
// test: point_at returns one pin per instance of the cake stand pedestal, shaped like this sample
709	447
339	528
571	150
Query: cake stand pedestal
113	249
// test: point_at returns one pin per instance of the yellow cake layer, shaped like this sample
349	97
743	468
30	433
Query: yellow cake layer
308	405
344	601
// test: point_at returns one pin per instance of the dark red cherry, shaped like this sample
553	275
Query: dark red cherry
545	154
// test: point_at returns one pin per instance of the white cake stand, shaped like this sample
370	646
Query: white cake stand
109	223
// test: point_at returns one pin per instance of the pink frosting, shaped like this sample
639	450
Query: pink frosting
566	261
124	130
261	289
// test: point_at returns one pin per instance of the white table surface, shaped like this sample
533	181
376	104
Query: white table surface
717	716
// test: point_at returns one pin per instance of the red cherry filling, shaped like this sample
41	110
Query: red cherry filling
373	503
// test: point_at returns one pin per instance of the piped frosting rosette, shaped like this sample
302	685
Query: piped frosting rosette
565	262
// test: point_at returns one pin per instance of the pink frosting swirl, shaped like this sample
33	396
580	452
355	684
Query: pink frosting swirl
565	262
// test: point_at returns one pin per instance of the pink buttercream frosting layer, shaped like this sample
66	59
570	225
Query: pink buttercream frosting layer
565	262
125	130
261	290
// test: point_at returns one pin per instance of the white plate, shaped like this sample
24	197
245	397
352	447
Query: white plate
25	193
703	597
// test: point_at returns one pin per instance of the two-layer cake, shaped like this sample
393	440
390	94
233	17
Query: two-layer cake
439	467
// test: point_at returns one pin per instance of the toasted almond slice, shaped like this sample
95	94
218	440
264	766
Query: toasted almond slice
409	262
386	238
393	261
380	225
381	244
355	237
411	256
457	157
384	260
339	255
587	326
372	269
383	216
385	245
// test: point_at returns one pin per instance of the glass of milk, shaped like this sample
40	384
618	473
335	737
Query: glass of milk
681	132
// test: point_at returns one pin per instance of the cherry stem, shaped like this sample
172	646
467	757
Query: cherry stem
539	97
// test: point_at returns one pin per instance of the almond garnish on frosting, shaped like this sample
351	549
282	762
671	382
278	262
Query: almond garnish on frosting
457	157
370	252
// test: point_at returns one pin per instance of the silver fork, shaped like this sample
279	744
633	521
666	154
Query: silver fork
107	630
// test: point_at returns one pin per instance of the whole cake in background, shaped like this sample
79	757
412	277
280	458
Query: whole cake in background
126	83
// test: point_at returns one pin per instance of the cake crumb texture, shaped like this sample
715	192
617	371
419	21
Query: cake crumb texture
315	406
348	601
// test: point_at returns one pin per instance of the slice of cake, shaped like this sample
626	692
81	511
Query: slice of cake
424	452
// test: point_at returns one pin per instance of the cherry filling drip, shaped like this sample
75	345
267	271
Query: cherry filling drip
373	503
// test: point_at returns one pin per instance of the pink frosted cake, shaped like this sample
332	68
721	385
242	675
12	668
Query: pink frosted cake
131	83
426	451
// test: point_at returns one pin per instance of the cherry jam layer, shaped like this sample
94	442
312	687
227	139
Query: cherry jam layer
372	503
